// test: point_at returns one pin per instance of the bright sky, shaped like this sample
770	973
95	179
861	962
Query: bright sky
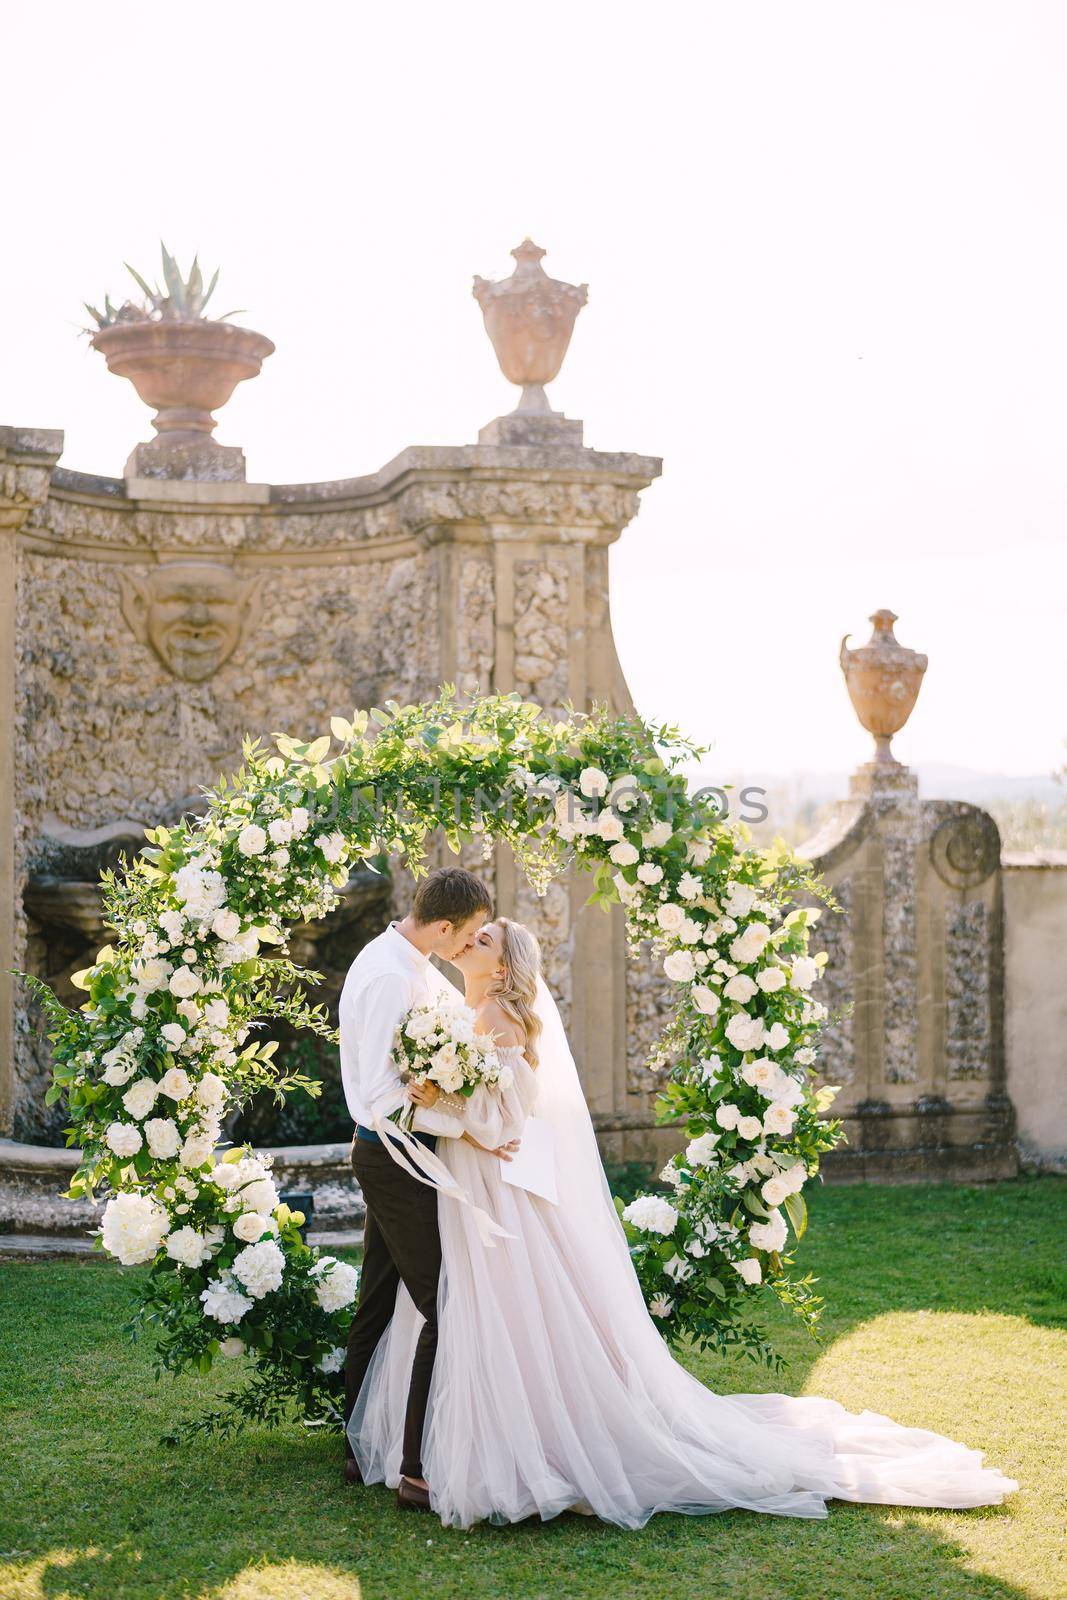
826	247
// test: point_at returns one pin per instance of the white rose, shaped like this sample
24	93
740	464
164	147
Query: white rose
777	1036
226	924
705	999
745	1032
625	792
727	1115
628	893
749	1269
188	1247
698	852
803	972
196	1152
280	830
211	1092
739	988
259	1267
251	1225
140	1097
689	887
689	932
217	1013
593	783
739	899
771	979
670	917
779	1119
132	1228
299	821
610	827
749	1127
173	1032
679	966
701	1152
118	1068
123	1139
184	983
624	854
761	1074
164	1137
337	1285
769	1235
648	872
651	1214
176	1083
252	841
774	1192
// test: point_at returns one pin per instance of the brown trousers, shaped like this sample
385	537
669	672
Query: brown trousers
401	1244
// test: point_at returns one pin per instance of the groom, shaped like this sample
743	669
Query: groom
401	1242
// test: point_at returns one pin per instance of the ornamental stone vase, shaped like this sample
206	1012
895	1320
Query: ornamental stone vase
883	679
530	318
186	370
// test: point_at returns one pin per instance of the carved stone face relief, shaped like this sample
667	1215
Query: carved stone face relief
193	614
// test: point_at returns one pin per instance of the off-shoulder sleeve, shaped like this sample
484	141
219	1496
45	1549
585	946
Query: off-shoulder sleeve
495	1116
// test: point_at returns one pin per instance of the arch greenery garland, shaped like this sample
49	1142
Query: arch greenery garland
171	1037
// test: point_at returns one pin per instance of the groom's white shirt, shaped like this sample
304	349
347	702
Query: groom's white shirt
386	979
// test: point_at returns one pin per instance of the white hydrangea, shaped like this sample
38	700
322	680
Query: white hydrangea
749	1269
259	1267
223	1301
133	1227
188	1247
338	1283
164	1137
200	892
651	1214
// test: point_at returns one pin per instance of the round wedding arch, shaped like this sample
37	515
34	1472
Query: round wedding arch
169	1040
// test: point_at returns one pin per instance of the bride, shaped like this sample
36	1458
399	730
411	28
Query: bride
552	1388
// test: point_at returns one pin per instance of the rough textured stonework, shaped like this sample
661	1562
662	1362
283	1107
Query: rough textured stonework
901	996
542	658
648	1006
967	990
474	643
837	1062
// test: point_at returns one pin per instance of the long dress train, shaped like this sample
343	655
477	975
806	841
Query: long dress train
553	1389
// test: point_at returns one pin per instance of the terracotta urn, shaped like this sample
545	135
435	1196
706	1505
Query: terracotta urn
883	679
185	369
530	318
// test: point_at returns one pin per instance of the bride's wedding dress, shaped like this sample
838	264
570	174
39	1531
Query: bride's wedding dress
553	1389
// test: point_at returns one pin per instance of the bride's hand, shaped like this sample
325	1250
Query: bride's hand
504	1152
423	1094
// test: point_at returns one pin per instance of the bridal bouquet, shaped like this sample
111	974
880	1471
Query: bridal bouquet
437	1042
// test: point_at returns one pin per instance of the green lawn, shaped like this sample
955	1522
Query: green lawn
946	1309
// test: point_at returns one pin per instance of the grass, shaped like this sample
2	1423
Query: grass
946	1308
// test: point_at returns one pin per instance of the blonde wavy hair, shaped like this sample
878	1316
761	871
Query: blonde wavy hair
516	991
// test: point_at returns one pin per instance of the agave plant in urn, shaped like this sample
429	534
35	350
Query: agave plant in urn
183	363
530	318
883	679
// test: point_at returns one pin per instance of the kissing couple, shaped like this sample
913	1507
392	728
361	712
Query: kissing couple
501	1362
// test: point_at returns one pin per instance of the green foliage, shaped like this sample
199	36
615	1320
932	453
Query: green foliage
183	297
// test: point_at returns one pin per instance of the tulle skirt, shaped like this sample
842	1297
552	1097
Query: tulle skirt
554	1391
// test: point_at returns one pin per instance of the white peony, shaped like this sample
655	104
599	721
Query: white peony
727	1115
651	1214
338	1283
124	1139
184	983
226	924
670	917
648	872
701	1152
745	1032
750	945
749	1269
803	972
140	1097
593	783
624	854
133	1227
164	1137
739	899
176	1084
739	988
705	1000
223	1301
252	841
680	966
252	1225
689	932
173	1033
280	830
769	1235
259	1267
189	1248
771	979
777	1036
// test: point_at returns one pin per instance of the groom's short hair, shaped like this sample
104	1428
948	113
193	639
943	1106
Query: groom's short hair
451	894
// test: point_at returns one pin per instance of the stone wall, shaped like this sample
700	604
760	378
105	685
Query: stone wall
1035	924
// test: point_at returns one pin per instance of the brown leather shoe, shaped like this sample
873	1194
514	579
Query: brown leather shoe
412	1496
352	1472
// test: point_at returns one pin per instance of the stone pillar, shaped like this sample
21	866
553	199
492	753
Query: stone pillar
27	456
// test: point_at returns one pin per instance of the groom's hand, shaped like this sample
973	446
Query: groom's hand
424	1094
